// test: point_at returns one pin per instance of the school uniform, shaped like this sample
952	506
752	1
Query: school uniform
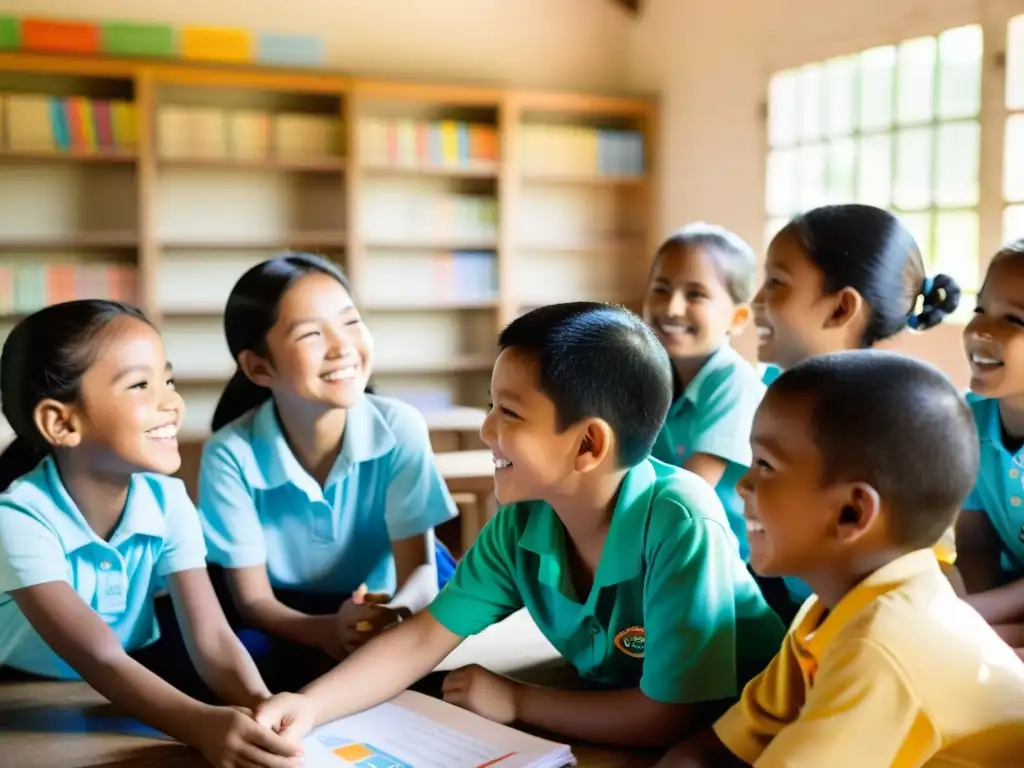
44	538
901	673
672	608
714	415
999	491
259	507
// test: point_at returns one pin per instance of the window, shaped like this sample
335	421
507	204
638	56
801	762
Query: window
895	126
1013	139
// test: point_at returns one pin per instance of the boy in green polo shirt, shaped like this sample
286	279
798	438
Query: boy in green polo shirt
627	565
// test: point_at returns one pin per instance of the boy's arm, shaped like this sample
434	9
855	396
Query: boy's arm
218	654
415	573
704	750
709	467
979	550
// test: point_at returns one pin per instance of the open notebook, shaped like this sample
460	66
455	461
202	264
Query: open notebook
416	731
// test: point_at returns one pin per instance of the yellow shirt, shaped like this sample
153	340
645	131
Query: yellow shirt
902	674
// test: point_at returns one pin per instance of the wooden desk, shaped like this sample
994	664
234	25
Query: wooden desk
470	472
69	725
455	429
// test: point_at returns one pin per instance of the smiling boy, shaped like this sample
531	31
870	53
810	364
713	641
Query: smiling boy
626	564
884	665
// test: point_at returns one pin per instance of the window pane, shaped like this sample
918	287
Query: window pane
840	95
957	164
812	176
1015	64
783	109
811	106
956	247
877	71
920	226
841	171
960	52
782	182
1013	159
913	186
874	171
1013	223
916	81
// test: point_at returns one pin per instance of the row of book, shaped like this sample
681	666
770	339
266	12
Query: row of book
213	133
426	144
40	123
26	287
580	150
390	215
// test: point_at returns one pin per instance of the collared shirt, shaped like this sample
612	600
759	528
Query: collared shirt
900	674
672	607
714	416
45	538
259	506
999	492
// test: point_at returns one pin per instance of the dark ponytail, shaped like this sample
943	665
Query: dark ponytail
44	358
941	296
250	313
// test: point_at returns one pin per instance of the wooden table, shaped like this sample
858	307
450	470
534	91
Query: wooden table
455	429
470	472
69	725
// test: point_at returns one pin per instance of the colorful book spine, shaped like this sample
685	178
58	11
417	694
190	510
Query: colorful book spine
38	123
26	287
582	150
438	144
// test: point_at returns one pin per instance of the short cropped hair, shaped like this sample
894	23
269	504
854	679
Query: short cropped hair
734	260
598	361
897	424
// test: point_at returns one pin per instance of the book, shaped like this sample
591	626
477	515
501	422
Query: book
416	731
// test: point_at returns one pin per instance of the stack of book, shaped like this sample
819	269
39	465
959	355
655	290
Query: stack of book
581	150
395	216
38	123
423	144
26	287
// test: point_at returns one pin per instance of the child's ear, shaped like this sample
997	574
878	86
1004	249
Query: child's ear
741	315
257	368
860	510
58	423
596	442
846	306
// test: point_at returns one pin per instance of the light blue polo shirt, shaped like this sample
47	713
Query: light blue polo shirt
714	415
999	491
45	538
260	507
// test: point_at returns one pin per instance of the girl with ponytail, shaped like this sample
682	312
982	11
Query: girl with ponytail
318	500
92	527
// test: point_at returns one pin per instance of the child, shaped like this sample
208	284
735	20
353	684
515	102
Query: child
885	666
844	277
990	530
698	298
90	524
626	564
312	492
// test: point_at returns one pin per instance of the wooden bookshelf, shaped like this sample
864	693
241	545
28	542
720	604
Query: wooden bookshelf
453	208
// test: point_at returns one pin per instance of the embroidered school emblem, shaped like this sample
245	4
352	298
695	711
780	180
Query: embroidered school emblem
631	642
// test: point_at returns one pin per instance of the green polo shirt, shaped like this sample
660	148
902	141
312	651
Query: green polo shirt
714	415
672	610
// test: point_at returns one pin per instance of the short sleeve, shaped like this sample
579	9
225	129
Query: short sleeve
30	552
483	590
183	548
691	655
230	522
417	498
769	703
859	691
725	416
975	501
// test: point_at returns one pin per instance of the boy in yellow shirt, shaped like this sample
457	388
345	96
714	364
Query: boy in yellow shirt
861	460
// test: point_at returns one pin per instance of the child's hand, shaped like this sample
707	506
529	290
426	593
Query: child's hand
228	738
485	693
364	616
290	715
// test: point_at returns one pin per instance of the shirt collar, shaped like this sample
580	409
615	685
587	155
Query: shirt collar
142	514
367	437
814	635
622	557
722	357
990	428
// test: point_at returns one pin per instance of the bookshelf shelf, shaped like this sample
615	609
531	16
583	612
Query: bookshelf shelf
451	207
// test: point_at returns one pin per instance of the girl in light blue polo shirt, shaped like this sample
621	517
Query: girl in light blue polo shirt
842	277
318	500
698	299
91	527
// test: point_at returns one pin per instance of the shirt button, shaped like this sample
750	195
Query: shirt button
1015	501
594	629
1014	474
105	565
